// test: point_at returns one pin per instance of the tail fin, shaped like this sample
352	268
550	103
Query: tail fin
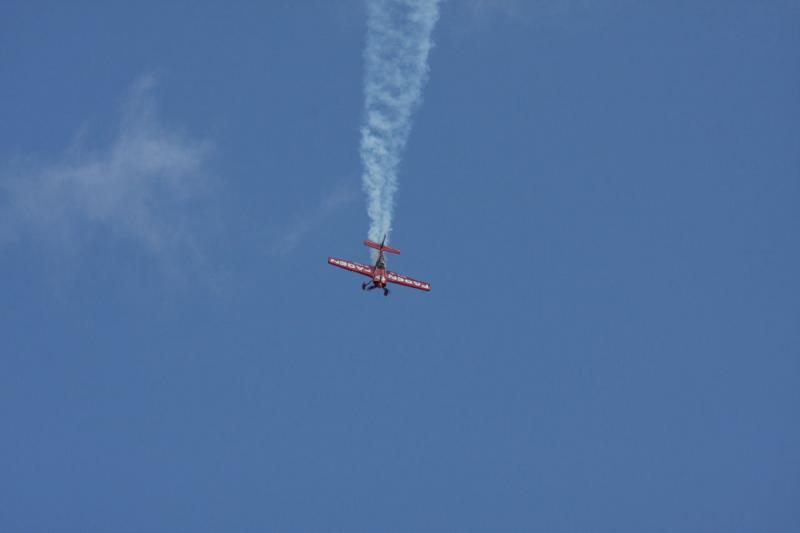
382	247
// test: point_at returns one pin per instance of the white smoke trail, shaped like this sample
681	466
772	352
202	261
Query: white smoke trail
396	61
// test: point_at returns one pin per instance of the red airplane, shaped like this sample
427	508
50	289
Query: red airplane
380	276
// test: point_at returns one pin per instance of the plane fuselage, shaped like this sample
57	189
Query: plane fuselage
379	274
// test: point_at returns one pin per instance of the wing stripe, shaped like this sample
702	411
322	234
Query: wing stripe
408	282
349	265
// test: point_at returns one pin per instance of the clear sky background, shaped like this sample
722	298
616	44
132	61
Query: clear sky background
604	196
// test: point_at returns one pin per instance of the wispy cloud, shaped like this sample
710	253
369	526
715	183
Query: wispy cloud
140	187
302	224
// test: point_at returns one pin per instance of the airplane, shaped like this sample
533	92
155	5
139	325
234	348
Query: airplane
380	277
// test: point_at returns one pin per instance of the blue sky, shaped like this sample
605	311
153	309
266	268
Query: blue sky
602	194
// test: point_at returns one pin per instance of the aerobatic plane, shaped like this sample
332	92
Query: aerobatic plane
380	277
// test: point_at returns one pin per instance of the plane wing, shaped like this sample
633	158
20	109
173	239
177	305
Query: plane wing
349	265
394	277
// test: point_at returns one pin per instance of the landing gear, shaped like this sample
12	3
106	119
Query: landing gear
370	286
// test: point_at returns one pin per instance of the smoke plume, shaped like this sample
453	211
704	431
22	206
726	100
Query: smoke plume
396	61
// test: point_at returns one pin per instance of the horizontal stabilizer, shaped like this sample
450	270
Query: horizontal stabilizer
380	247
